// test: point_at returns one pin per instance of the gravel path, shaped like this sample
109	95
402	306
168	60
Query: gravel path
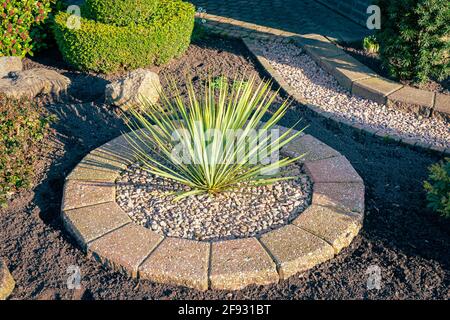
321	89
246	212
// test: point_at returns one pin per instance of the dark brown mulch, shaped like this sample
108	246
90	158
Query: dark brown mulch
409	244
372	60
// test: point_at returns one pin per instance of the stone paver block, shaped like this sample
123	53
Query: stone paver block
318	46
410	140
89	223
412	95
365	128
295	250
238	263
312	148
95	167
88	173
376	89
327	223
80	193
346	70
296	96
101	158
179	262
336	169
121	149
106	160
422	144
7	282
320	111
346	196
125	248
438	149
416	100
442	104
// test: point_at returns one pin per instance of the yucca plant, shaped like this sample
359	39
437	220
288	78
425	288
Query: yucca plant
215	158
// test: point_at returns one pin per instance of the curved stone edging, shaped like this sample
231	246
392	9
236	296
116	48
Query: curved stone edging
105	231
351	74
384	86
364	82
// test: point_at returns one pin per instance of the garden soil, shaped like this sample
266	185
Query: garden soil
401	238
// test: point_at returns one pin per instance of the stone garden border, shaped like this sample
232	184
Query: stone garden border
349	72
362	81
92	216
255	50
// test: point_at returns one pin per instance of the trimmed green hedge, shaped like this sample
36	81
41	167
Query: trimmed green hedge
108	48
120	12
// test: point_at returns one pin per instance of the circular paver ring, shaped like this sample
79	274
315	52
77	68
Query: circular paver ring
91	214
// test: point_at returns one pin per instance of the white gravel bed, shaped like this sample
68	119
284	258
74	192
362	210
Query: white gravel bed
245	212
321	89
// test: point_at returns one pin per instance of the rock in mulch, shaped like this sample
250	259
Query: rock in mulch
30	83
9	64
127	91
7	282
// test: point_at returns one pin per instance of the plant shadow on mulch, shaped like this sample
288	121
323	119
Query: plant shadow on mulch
410	244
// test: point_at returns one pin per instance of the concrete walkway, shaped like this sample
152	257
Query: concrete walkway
292	16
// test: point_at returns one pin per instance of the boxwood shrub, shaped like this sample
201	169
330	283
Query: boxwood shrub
120	12
108	48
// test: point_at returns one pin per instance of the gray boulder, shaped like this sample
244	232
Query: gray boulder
127	91
30	83
7	282
10	64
